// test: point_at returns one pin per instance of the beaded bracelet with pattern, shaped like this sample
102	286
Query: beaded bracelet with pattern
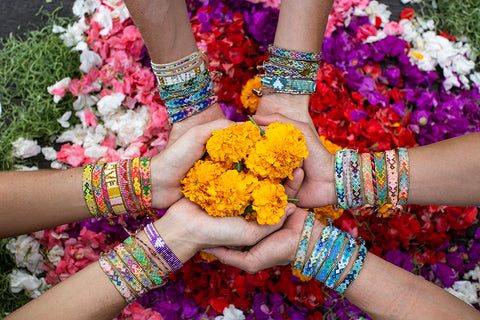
381	181
347	177
339	185
352	275
294	54
330	258
87	190
311	263
304	241
367	179
342	263
392	174
162	248
116	280
355	180
404	176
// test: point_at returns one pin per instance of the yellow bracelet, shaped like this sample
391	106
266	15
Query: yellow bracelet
113	190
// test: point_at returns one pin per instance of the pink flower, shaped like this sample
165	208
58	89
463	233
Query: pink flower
393	28
74	155
110	142
90	118
75	87
135	311
366	31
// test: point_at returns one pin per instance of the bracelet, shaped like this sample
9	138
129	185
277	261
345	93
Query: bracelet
281	83
304	240
134	267
311	262
87	190
339	187
392	173
97	188
303	67
185	76
117	281
342	263
127	196
374	180
173	65
355	180
189	99
292	54
320	252
367	179
126	273
113	190
346	176
188	112
184	85
137	187
272	69
165	269
352	275
404	176
331	256
146	184
381	181
162	248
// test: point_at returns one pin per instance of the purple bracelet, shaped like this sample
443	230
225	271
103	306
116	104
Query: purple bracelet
162	248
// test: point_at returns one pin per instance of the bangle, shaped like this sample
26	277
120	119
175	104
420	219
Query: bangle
367	180
117	281
304	240
352	275
392	174
404	176
87	190
162	248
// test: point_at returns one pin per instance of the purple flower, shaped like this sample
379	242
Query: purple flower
445	274
231	113
400	259
357	115
399	108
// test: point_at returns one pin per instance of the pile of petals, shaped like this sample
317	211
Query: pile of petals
383	84
242	175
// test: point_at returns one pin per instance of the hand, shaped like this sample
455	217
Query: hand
170	166
210	114
186	229
279	248
318	186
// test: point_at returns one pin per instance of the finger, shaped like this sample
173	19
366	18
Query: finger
264	120
292	186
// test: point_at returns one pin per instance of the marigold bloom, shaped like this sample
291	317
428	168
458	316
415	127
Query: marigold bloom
281	150
249	99
323	213
232	144
269	201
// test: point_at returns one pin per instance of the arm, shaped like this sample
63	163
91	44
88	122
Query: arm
186	229
381	289
166	30
32	201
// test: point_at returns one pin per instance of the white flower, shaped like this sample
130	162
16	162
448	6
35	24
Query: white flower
74	33
49	153
64	119
376	9
109	105
82	7
58	89
380	35
231	313
86	100
33	286
25	168
89	60
58	165
128	125
26	251
55	254
95	151
464	290
473	274
25	148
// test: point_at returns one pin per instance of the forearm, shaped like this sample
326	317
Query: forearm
385	291
32	201
446	172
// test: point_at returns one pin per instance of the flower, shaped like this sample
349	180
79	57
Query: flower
59	89
282	150
249	99
269	202
465	291
231	313
25	148
328	212
26	251
33	286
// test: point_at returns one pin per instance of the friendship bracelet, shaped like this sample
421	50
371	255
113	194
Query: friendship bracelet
281	83
302	66
355	180
177	63
339	187
392	173
134	267
352	275
342	263
87	190
150	268
315	255
182	93
404	176
182	115
162	248
126	273
292	54
272	69
321	254
182	102
165	267
113	189
116	280
346	175
381	181
146	183
97	188
331	256
374	179
367	179
304	241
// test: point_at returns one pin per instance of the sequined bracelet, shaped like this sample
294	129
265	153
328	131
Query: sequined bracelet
116	280
355	180
367	179
304	241
330	258
342	263
352	275
161	247
294	54
404	176
87	190
392	177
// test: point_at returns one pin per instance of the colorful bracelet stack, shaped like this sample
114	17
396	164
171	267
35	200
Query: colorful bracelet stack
185	86
132	270
112	189
162	249
289	71
382	177
330	257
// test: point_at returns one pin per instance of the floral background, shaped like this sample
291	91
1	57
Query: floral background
382	84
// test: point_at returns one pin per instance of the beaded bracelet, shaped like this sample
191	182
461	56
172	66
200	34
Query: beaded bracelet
191	111
187	75
293	54
374	180
87	190
304	67
342	263
404	176
184	85
127	196
331	256
126	273
315	255
281	83
367	179
352	275
98	192
346	176
175	64
117	281
321	252
165	269
355	180
392	174
150	268
197	96
146	183
304	241
134	267
111	181
162	248
381	182
272	70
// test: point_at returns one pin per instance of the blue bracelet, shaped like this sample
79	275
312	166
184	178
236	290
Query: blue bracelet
339	185
355	180
293	54
317	250
322	273
187	112
184	85
362	253
280	83
295	64
342	263
189	99
304	240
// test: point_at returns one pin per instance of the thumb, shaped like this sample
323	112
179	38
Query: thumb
293	186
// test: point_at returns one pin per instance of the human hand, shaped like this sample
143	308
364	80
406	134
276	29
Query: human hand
279	248
171	165
210	114
318	186
186	229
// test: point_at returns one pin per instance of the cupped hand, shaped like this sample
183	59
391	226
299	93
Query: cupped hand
187	229
318	186
171	165
279	248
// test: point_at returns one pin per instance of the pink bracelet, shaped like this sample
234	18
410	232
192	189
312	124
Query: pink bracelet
367	179
116	280
392	173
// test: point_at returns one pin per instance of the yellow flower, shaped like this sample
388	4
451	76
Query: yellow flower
249	99
207	257
269	202
327	212
232	144
281	150
330	146
299	275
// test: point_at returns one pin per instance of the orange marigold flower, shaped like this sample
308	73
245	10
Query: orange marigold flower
232	144
323	213
249	99
330	146
299	275
269	201
281	150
